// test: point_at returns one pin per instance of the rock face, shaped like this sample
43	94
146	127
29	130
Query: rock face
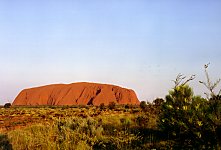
76	94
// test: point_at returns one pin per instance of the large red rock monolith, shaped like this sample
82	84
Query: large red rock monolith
76	94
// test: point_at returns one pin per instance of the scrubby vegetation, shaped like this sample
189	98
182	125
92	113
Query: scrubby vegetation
73	128
181	121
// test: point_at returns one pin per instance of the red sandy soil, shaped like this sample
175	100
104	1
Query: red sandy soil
76	94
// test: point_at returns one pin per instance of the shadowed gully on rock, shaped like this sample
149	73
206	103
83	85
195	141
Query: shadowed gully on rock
82	93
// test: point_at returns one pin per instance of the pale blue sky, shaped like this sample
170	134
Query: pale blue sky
138	44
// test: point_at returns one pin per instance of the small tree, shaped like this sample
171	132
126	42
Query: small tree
127	106
158	102
143	105
214	111
101	106
7	105
112	105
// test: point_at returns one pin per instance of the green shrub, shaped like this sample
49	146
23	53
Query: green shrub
73	133
184	119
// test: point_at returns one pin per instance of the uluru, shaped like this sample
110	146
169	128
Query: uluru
81	93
